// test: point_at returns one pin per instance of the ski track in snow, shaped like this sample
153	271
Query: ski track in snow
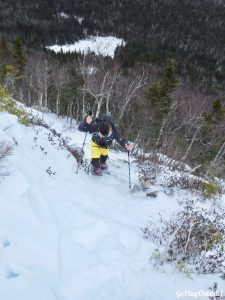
75	236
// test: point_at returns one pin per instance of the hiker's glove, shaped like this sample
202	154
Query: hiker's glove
127	146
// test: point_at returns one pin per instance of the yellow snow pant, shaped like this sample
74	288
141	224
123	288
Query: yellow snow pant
97	151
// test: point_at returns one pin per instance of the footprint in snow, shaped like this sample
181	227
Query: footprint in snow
6	243
10	274
15	270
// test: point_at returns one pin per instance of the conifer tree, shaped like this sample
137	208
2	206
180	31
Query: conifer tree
4	52
159	100
212	144
69	100
19	56
4	59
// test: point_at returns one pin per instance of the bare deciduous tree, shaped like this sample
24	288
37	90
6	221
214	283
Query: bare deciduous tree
135	85
37	75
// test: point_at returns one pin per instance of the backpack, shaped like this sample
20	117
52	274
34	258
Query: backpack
105	118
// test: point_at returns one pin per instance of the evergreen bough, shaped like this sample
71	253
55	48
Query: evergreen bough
9	105
194	239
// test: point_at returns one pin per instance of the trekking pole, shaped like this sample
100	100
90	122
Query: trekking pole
82	149
128	153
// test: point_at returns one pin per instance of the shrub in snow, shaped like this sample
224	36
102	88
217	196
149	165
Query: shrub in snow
181	267
156	170
155	163
149	168
194	236
184	181
9	105
63	142
210	189
5	150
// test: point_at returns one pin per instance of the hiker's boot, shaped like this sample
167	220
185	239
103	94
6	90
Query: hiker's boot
104	166
97	171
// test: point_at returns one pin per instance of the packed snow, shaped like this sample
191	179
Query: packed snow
100	45
68	236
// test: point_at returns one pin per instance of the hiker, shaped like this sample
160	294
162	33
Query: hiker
104	132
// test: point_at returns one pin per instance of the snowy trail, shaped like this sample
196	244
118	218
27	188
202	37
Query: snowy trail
73	236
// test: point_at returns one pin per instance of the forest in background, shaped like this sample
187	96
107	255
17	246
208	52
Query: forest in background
190	31
165	87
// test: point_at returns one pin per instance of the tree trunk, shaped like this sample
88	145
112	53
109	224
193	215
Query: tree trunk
57	104
161	132
192	141
100	100
46	84
40	99
213	163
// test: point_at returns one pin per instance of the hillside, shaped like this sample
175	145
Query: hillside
161	77
74	236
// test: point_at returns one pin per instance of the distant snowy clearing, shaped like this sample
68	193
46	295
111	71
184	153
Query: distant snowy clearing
100	45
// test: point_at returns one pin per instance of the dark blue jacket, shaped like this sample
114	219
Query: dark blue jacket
103	142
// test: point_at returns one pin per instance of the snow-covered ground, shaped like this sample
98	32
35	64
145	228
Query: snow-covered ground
75	236
100	45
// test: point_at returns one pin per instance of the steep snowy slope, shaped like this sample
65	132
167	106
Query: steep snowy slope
73	236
